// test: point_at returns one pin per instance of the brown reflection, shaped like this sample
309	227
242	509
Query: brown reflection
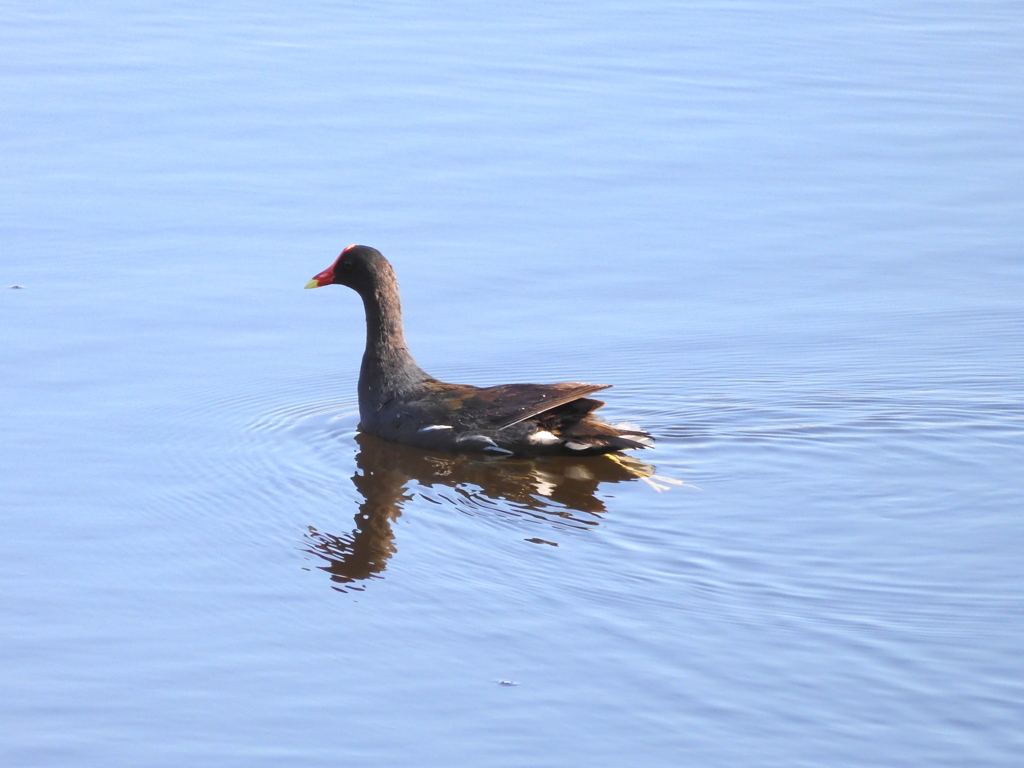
562	491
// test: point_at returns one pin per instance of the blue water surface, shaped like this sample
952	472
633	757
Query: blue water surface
790	234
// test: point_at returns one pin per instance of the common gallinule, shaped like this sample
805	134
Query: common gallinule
401	403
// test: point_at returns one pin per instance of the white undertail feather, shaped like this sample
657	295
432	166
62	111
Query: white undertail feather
577	446
634	432
543	437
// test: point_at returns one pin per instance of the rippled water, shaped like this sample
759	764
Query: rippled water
789	234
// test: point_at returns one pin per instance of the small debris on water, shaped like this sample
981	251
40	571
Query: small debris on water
17	287
507	682
542	541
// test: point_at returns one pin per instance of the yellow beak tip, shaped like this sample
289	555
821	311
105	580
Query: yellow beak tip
312	284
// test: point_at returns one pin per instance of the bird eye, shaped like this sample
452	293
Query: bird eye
347	266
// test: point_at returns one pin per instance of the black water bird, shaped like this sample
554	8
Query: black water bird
401	403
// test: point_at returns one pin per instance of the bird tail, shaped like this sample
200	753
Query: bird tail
590	436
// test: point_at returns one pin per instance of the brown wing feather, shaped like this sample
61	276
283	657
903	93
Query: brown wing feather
508	404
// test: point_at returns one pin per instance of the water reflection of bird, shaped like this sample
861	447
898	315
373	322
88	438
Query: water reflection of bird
560	491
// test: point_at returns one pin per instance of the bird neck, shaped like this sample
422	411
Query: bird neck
388	368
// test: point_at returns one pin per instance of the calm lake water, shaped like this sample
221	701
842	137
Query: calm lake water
790	234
